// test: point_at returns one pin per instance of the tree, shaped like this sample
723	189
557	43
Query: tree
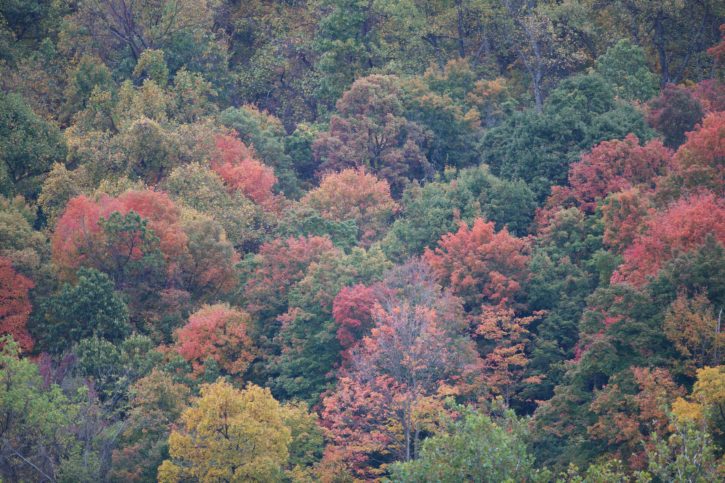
371	132
674	113
202	189
236	165
503	337
156	403
481	265
538	148
353	313
699	161
628	415
37	419
354	195
706	405
415	348
614	166
15	305
624	65
229	435
692	325
683	226
29	145
265	134
475	447
89	308
217	332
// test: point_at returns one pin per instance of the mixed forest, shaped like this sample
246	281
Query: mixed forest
362	240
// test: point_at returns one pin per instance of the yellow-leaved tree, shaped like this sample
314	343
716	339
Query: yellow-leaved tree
229	435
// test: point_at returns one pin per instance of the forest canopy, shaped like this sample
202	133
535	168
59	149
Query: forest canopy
362	240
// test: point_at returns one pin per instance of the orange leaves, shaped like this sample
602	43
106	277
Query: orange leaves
682	227
15	304
78	236
236	165
217	332
353	194
480	264
701	159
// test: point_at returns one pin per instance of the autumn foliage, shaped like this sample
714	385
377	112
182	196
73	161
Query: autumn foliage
240	170
353	194
15	304
683	226
479	264
614	166
216	332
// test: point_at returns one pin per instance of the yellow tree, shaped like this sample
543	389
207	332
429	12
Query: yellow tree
229	435
707	401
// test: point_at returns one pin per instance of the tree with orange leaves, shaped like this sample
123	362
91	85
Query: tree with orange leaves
683	226
502	341
217	332
15	304
241	171
481	265
353	194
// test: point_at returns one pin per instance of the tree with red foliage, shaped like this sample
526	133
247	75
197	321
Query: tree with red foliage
353	194
15	304
617	165
241	171
683	226
352	310
481	265
415	351
79	238
700	161
217	332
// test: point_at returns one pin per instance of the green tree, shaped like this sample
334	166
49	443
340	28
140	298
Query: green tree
28	147
624	66
476	447
91	307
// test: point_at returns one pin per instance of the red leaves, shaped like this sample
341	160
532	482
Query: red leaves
282	263
614	166
15	304
353	313
682	227
479	264
236	165
216	332
78	235
701	159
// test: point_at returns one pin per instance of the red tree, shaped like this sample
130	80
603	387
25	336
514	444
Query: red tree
15	304
481	265
353	313
682	227
701	159
217	332
617	165
237	166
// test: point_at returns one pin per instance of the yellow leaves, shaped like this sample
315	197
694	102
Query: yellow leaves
229	435
707	401
686	411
